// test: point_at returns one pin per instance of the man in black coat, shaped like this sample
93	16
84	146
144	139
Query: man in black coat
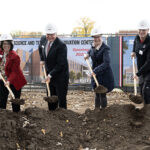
53	53
141	50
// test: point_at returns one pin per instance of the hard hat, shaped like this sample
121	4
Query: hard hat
6	37
51	29
143	24
96	31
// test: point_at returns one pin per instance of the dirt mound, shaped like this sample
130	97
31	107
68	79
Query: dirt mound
118	127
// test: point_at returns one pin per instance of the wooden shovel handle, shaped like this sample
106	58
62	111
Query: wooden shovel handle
10	91
87	61
135	87
45	75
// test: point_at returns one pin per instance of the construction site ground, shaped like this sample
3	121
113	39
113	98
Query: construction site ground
118	127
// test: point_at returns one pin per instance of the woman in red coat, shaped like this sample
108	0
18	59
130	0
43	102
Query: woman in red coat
10	68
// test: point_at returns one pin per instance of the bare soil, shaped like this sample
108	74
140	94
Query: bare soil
118	127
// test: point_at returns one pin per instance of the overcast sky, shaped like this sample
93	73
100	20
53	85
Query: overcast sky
33	15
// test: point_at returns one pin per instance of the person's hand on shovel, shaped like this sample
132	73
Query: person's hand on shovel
133	54
48	79
86	56
7	83
93	74
135	77
42	63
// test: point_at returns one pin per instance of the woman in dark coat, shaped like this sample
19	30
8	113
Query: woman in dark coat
100	55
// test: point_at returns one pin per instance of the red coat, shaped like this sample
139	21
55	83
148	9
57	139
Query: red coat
13	71
1	54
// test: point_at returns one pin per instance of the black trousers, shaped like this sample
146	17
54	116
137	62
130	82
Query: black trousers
100	100
4	96
59	90
145	91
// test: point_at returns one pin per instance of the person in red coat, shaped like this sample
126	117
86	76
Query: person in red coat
11	71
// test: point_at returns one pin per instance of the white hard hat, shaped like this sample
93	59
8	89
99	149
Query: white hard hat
143	24
96	31
6	37
51	29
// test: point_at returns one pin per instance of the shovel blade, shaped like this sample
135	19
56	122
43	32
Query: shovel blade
18	101
51	99
137	99
100	89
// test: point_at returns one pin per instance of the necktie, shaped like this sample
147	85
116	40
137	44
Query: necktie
48	47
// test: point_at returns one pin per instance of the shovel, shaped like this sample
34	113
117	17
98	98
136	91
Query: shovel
99	88
50	99
13	100
134	97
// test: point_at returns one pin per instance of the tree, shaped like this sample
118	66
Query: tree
125	46
72	76
25	34
84	28
78	75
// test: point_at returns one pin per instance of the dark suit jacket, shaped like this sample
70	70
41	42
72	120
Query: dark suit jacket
56	62
142	51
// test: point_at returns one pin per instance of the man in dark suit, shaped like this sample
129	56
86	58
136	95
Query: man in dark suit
53	53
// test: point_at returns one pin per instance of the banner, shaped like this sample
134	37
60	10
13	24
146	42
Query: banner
127	61
77	46
26	44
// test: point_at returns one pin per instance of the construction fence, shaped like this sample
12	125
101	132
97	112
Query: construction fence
120	44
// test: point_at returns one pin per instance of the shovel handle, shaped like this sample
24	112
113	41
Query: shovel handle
135	87
10	91
87	61
45	75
